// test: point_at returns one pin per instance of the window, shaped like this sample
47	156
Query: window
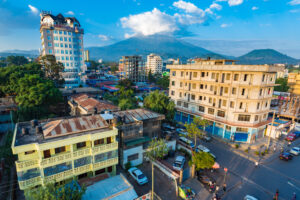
61	45
211	88
205	86
201	86
173	73
194	86
50	51
226	90
61	38
220	113
241	105
109	169
224	103
231	104
49	37
108	140
193	97
56	44
269	90
182	73
233	90
60	149
236	77
239	129
172	93
180	94
70	46
245	77
62	52
260	92
209	100
186	105
69	39
65	32
244	118
256	117
243	91
173	83
132	157
201	109
65	39
202	74
55	38
98	142
263	78
178	103
266	105
213	75
258	105
69	33
195	74
200	98
49	44
80	145
211	111
29	152
66	45
47	153
55	31
180	84
227	77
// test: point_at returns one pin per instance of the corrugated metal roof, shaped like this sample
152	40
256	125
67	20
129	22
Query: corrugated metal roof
74	125
137	115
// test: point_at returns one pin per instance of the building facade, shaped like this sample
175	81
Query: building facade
132	68
234	98
63	37
154	64
294	83
59	150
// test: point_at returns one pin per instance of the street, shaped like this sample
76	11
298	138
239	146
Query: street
262	181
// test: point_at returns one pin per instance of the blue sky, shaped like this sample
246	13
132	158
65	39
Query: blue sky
231	27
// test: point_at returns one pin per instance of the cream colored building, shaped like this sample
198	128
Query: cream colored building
235	98
294	83
132	68
154	63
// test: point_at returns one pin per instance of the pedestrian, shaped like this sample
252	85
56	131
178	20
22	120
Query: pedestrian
256	164
274	148
224	187
217	188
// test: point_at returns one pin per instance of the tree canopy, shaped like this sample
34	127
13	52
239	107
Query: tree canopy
157	149
16	60
159	102
70	191
283	87
202	160
193	129
52	69
163	82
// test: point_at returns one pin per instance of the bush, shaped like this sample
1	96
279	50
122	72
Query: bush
128	166
266	151
247	150
237	146
256	153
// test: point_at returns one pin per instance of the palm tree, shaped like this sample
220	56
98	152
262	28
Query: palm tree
157	150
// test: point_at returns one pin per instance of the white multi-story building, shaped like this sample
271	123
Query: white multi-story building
62	37
154	64
235	98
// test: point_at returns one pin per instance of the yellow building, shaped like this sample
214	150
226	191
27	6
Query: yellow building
235	98
294	83
59	150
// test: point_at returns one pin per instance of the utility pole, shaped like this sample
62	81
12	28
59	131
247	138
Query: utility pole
271	130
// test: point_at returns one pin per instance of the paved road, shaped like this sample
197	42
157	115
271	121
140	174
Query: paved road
262	181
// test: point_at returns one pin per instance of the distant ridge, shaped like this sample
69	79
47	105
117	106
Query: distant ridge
16	52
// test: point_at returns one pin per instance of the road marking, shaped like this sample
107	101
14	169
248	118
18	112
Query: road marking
291	184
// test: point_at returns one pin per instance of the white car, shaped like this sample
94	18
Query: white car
187	141
205	149
248	197
179	163
138	175
295	151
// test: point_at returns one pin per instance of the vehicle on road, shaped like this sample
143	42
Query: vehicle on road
187	142
291	137
206	138
249	197
181	132
205	179
285	156
179	163
169	127
295	151
204	149
138	175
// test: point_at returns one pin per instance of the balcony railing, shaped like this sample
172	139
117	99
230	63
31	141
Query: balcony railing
56	159
23	165
105	147
81	153
105	163
30	182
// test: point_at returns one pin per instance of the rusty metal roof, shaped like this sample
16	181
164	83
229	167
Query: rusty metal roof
139	114
73	125
88	103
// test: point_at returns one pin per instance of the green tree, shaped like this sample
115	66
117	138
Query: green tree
193	129
160	103
157	150
16	60
53	70
163	82
125	104
202	160
151	77
283	87
126	83
70	191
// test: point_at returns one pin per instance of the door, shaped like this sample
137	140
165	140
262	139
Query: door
47	153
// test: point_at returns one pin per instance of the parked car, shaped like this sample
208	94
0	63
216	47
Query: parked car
285	156
204	149
297	133
291	137
179	163
187	142
169	127
206	138
295	151
138	175
205	179
249	197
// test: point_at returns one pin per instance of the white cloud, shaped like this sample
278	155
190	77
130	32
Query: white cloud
294	2
213	6
103	37
70	13
33	9
187	7
149	23
187	19
233	2
254	8
225	25
295	11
